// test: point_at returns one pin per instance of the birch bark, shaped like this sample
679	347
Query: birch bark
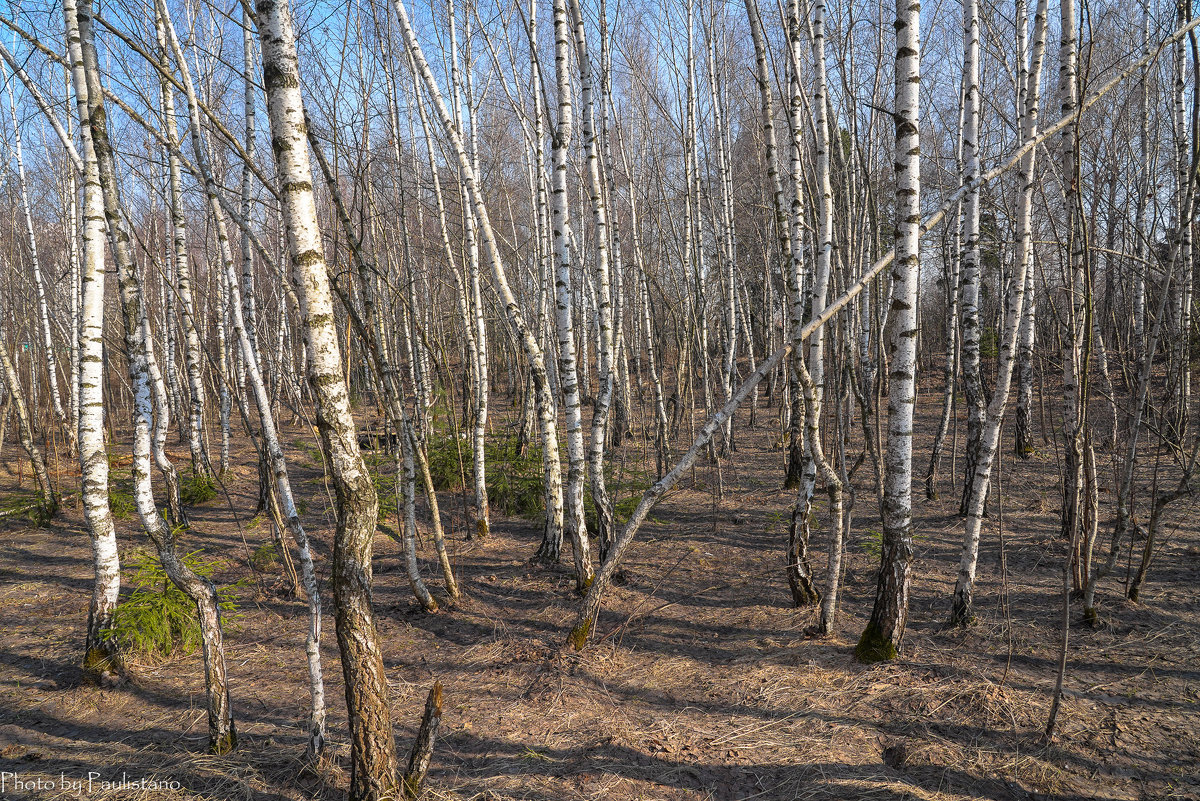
885	631
373	750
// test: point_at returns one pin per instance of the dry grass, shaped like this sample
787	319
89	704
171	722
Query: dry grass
701	686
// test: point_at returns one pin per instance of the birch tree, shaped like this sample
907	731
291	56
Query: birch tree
885	630
373	751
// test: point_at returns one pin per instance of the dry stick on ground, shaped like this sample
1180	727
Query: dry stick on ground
582	628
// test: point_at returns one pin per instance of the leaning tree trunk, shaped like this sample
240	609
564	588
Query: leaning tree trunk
221	730
276	461
373	749
525	334
962	610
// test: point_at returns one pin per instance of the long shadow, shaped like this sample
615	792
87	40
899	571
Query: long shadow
483	761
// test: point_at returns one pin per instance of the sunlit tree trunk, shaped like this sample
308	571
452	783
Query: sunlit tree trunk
48	500
36	267
100	657
971	277
885	631
568	368
221	731
601	273
962	611
372	747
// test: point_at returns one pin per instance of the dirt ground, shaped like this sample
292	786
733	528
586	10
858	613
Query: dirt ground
701	685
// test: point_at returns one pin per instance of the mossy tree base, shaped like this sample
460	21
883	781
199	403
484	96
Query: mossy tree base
223	744
578	637
100	664
874	647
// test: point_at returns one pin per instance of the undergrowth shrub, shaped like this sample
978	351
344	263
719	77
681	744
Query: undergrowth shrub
387	487
264	557
120	498
514	481
156	619
28	506
196	489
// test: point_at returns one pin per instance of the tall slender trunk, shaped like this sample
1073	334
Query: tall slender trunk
36	266
812	366
1014	317
796	222
100	656
276	461
568	367
601	273
971	274
885	631
16	396
192	349
221	731
1179	383
552	534
953	276
373	750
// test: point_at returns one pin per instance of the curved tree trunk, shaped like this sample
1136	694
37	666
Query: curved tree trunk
373	749
221	731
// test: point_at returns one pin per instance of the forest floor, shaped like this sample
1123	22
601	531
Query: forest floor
701	684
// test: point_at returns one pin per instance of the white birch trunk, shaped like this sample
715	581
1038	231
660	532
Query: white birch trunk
373	752
1014	318
885	630
100	657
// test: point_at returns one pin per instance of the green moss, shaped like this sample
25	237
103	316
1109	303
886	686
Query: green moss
874	647
223	744
98	661
579	635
